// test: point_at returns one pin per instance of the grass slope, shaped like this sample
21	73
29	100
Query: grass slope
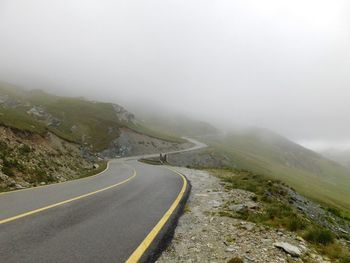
19	120
270	154
179	125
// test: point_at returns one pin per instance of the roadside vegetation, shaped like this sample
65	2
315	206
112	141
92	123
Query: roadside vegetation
278	211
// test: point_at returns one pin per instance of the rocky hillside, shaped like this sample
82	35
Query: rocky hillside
30	159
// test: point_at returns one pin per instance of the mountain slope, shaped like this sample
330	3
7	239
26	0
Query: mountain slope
339	156
264	152
92	124
179	125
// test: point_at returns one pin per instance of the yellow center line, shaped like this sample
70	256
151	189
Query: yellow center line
141	249
67	201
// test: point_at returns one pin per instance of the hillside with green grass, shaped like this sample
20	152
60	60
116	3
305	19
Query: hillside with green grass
264	152
92	124
179	125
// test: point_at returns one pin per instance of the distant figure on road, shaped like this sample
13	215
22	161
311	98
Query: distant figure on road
162	158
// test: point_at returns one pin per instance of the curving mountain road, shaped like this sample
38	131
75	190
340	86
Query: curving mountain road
120	215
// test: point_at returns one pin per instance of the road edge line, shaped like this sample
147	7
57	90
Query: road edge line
140	251
13	218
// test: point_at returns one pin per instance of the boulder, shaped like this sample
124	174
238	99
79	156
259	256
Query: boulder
215	203
238	208
248	226
252	205
288	248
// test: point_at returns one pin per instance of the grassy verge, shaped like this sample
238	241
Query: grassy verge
278	213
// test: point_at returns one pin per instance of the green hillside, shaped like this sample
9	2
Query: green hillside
339	156
270	154
264	152
178	125
94	124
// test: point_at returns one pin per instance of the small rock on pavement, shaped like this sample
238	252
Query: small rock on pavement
288	248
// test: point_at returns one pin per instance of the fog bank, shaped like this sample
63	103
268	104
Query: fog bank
282	65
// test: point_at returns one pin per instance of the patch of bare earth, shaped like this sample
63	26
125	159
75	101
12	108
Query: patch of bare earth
203	235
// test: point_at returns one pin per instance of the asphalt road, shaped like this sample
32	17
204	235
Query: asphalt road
112	217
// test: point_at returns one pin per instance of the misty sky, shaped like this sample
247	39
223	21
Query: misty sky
283	65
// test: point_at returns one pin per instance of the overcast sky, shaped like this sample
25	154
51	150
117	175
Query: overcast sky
283	65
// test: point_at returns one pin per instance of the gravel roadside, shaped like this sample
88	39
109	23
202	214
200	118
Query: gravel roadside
202	235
